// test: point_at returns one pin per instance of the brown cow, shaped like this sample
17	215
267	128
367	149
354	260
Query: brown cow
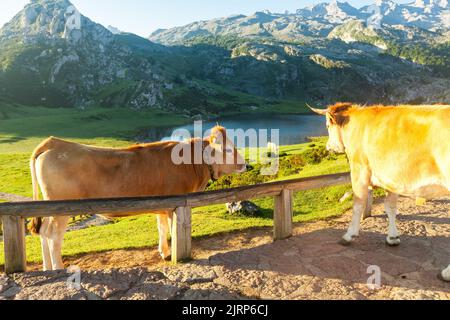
65	170
404	150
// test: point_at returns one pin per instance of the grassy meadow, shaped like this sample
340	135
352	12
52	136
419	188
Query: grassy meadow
22	128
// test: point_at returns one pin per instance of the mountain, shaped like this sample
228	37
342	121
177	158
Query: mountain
287	27
333	12
321	51
63	58
51	20
427	14
393	52
114	30
234	25
52	55
315	20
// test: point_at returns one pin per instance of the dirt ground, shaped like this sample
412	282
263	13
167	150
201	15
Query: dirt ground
249	265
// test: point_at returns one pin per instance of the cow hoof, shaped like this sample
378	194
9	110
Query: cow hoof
166	258
347	239
393	241
444	275
345	243
441	277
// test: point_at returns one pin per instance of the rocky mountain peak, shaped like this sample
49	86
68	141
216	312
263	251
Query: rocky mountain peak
53	19
114	30
430	3
444	4
335	11
385	2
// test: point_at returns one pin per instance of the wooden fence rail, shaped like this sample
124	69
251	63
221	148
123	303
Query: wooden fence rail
13	214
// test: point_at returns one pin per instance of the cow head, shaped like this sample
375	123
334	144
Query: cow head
337	118
224	157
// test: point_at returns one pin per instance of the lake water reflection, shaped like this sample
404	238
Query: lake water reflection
293	129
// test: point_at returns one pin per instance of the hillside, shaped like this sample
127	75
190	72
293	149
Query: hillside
46	60
389	52
314	21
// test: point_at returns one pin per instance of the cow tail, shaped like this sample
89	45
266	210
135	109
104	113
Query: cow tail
36	223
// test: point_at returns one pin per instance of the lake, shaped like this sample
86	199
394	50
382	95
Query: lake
293	129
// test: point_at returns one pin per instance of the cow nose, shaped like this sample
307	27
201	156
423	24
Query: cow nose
244	168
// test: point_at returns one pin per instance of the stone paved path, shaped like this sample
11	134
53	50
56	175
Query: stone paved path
248	265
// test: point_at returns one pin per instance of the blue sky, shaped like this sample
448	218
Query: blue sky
144	16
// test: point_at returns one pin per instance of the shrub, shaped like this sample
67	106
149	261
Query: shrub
289	165
316	155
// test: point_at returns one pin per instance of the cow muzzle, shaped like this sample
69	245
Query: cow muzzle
335	149
243	168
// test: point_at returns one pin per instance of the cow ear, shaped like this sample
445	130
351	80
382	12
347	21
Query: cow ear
338	118
338	113
218	136
332	118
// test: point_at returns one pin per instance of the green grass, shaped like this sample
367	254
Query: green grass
23	128
15	175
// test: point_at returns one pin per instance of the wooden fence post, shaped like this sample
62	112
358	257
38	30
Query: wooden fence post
369	205
283	214
182	235
14	243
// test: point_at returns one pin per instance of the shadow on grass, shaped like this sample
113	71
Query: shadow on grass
11	140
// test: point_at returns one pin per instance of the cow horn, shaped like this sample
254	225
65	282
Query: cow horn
322	112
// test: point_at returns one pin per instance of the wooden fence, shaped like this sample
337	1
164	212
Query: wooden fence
13	214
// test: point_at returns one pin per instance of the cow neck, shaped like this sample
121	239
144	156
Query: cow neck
211	172
210	167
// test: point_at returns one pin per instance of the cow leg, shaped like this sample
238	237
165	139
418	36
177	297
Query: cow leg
163	229
360	181
55	236
170	221
46	258
393	238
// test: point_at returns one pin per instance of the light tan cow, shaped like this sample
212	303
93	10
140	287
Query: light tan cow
65	170
403	149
